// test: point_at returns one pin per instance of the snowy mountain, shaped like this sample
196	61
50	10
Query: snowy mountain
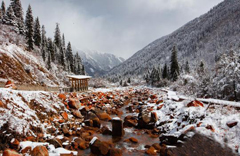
203	38
97	64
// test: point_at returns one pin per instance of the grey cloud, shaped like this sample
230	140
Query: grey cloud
121	27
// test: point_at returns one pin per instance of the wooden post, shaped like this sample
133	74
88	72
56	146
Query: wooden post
87	84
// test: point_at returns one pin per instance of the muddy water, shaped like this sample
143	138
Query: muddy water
129	149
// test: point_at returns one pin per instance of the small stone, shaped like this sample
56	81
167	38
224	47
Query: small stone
231	124
39	151
10	152
65	115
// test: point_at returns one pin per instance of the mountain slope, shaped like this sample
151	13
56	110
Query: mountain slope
97	64
22	66
203	38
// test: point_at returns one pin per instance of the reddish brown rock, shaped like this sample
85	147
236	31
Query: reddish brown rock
195	103
153	97
55	142
151	151
10	152
115	152
65	115
26	150
77	113
132	139
74	103
40	151
15	144
210	127
105	131
154	117
2	104
62	96
70	154
232	124
10	84
104	116
130	121
99	148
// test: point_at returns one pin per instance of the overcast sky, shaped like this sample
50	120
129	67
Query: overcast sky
120	27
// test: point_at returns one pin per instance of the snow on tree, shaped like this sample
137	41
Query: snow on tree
18	12
29	28
69	57
63	42
62	57
37	33
3	8
187	68
165	72
43	43
49	60
57	36
174	65
51	49
9	18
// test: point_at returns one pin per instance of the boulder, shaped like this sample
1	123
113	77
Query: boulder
10	84
62	96
98	148
144	120
130	121
26	150
74	103
15	144
55	142
151	151
10	152
77	113
105	131
195	103
231	124
132	139
2	104
117	127
39	151
104	116
65	115
115	152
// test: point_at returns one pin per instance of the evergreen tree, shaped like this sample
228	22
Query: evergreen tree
187	69
62	57
121	83
174	65
201	67
83	70
165	72
49	62
9	18
51	50
1	15
44	43
3	8
69	57
18	12
63	42
57	37
37	33
129	80
29	28
154	76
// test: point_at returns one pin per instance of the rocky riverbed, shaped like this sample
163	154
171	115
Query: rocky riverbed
117	121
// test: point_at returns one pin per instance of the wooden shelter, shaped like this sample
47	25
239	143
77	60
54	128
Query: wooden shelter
79	82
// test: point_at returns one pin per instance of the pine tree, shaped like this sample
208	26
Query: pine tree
174	65
63	42
43	43
187	69
1	15
201	67
29	28
3	8
57	37
121	83
37	33
49	60
69	57
18	12
62	57
165	72
9	18
51	50
129	80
